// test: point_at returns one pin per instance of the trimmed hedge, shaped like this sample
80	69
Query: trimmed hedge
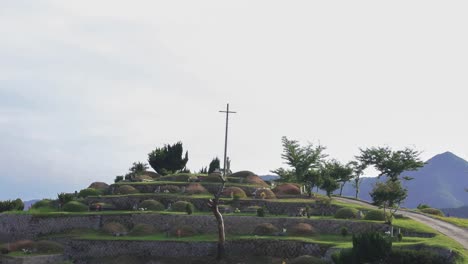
152	205
75	206
89	192
432	211
376	215
346	213
180	206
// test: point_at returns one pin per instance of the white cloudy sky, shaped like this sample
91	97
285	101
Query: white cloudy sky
88	87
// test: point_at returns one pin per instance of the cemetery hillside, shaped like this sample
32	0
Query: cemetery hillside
316	210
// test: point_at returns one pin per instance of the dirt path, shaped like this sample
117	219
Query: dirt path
457	233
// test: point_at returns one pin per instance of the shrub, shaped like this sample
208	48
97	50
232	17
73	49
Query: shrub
118	178
142	230
344	231
47	247
152	205
376	215
344	256
114	228
287	189
195	188
234	192
184	231
267	194
180	206
370	247
432	211
89	192
75	206
46	203
306	259
126	189
65	198
261	212
99	186
265	229
189	208
405	256
11	205
423	206
400	237
346	213
301	229
170	188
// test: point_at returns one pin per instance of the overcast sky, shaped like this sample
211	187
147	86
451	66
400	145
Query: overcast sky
88	87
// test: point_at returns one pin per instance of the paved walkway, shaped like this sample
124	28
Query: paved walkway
457	233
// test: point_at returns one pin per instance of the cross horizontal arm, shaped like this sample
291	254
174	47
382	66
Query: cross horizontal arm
230	112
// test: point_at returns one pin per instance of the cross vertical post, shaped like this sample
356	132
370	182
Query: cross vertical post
226	137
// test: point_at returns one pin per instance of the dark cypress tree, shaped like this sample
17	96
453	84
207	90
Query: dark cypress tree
168	159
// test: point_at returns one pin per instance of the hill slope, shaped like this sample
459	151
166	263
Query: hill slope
440	183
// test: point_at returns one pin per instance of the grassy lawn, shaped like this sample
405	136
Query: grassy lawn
461	222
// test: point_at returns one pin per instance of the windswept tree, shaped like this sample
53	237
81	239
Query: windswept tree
214	164
168	159
389	162
345	174
304	162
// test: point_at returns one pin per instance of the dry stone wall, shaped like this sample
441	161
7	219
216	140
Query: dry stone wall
17	227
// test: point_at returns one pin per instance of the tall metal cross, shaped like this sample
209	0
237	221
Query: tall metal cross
226	136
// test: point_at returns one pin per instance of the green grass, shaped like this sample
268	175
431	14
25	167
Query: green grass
461	222
156	237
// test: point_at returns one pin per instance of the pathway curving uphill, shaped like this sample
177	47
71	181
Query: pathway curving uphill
457	233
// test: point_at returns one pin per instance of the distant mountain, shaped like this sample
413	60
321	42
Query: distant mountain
271	177
457	212
440	183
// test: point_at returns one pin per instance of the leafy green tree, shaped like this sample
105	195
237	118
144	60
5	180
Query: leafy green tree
168	159
332	173
345	174
301	158
304	162
389	195
203	170
391	163
214	164
138	168
358	170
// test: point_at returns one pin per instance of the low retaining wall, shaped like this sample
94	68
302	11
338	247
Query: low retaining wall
43	259
29	227
81	249
273	206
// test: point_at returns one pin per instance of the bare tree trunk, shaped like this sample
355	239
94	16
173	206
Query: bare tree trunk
341	189
221	235
214	205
